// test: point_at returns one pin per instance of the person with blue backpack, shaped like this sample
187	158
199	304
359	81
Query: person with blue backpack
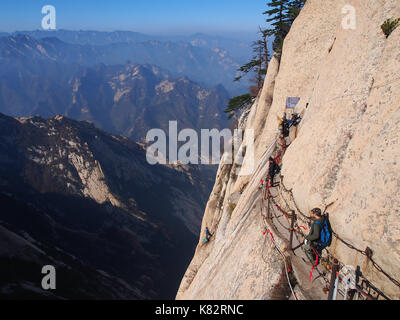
320	235
208	236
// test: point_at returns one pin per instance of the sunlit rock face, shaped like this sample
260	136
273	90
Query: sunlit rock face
346	152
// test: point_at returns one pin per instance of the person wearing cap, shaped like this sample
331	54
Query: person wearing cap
310	241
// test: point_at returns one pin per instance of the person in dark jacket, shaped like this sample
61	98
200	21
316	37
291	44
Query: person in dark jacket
273	170
293	126
208	233
284	127
295	120
208	236
311	240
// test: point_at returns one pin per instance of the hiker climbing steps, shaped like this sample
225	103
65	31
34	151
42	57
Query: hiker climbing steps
290	224
312	275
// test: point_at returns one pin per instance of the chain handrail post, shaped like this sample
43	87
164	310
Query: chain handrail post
293	218
335	267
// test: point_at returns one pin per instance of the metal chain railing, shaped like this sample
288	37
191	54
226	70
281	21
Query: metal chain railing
349	245
279	250
307	219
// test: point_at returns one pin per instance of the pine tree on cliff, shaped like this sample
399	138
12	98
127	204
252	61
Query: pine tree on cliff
261	48
277	17
258	64
238	103
281	15
294	8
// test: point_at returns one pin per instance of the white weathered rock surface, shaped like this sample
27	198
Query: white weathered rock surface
346	151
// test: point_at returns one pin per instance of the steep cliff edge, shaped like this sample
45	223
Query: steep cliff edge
346	153
88	203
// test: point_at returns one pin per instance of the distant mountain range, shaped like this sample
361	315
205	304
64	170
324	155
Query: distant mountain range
134	99
88	203
47	77
198	58
238	49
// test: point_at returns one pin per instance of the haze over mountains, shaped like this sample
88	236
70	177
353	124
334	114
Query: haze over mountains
49	77
237	48
88	203
204	59
86	200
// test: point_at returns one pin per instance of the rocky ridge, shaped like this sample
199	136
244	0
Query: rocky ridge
87	202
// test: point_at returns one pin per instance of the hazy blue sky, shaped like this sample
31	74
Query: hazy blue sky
151	16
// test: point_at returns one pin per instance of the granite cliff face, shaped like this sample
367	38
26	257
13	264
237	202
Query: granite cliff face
346	154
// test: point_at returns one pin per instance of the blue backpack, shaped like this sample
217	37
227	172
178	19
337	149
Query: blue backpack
325	239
